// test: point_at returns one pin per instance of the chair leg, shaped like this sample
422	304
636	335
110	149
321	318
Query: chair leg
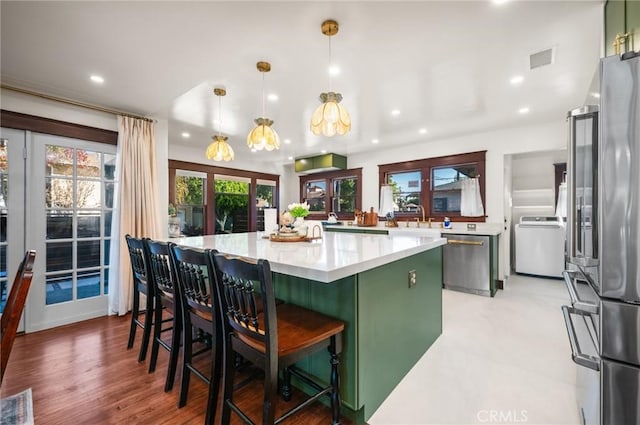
187	351
227	386
175	348
270	393
214	381
286	384
134	316
334	351
157	331
146	332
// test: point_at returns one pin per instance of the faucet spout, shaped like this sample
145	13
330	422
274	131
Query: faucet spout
422	209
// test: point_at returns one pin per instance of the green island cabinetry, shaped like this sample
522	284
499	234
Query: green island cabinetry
389	325
391	320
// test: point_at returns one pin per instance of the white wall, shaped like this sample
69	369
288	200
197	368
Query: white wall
548	136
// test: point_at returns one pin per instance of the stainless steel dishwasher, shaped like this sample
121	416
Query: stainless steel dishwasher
466	264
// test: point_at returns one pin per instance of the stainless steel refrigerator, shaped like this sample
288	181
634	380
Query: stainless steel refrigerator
603	246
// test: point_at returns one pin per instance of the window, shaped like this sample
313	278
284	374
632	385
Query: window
435	184
334	191
212	199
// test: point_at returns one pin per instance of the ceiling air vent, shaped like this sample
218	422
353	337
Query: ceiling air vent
542	58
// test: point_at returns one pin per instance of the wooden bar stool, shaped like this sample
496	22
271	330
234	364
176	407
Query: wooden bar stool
273	339
12	313
199	303
163	280
141	285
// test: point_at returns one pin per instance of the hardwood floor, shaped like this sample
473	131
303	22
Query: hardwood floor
83	374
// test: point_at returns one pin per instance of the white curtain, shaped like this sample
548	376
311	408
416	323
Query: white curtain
470	200
135	205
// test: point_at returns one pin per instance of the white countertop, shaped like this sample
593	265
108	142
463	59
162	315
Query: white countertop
333	257
482	229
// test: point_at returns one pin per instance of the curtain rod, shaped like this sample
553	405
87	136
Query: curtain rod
74	102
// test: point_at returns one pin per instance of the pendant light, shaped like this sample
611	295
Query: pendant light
330	118
263	136
219	149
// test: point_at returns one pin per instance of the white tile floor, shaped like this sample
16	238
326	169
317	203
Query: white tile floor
499	360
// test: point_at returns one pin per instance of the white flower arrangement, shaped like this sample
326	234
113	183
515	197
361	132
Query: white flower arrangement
298	210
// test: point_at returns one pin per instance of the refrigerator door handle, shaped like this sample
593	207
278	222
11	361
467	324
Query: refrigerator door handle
591	362
576	302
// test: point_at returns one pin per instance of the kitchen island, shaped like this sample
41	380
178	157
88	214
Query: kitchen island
364	280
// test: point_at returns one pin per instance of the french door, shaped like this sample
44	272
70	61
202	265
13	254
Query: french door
69	186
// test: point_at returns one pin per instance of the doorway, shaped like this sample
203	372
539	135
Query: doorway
66	215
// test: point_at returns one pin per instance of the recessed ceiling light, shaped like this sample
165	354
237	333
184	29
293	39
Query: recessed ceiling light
185	135
287	141
596	95
97	79
272	97
422	131
524	110
395	112
516	79
375	141
334	70
216	121
323	151
498	2
290	158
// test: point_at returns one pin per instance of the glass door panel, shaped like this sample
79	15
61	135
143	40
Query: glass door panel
232	204
70	227
12	209
265	198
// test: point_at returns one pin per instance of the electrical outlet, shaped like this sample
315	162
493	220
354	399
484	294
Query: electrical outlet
412	278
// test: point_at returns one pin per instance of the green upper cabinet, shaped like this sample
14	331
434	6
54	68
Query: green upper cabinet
621	16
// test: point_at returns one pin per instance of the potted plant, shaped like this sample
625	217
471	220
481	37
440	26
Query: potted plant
299	212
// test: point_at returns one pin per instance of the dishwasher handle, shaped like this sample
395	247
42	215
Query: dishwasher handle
578	356
459	242
576	302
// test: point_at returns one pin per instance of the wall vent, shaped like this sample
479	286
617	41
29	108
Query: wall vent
542	58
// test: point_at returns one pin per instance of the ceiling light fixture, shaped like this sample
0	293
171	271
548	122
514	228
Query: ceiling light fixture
323	151
287	141
272	97
524	110
330	118
263	136
395	112
422	131
375	141
290	158
219	149
516	79
185	135
97	79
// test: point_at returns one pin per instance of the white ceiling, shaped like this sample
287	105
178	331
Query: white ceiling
445	65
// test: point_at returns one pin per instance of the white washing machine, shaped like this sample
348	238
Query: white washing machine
540	246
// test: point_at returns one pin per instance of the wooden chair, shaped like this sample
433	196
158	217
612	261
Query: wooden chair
162	278
273	339
14	308
137	253
200	306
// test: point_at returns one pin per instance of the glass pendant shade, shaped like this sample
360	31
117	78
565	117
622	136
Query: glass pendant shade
219	149
263	136
330	118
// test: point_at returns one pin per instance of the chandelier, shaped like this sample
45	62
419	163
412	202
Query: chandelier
330	118
263	136
219	149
